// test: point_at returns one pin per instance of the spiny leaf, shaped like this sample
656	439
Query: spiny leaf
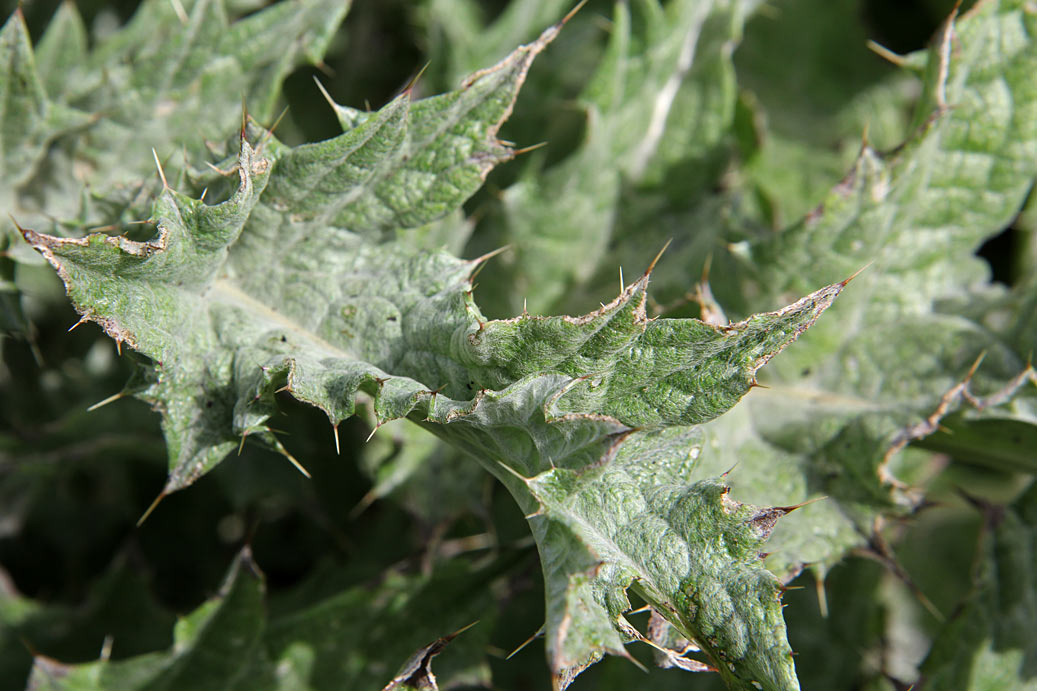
209	648
689	550
164	80
345	639
29	121
894	361
665	84
216	384
297	283
416	674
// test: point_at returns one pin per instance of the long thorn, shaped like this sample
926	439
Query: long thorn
298	466
244	118
651	267
846	281
482	259
975	365
414	80
822	597
334	431
527	149
161	173
573	12
111	399
181	14
361	506
886	54
160	497
327	96
221	171
536	634
270	132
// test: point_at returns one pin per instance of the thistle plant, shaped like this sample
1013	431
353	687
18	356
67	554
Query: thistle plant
756	401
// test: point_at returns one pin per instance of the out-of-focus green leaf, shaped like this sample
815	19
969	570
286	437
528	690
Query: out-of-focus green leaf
852	393
990	641
120	615
209	648
353	638
659	105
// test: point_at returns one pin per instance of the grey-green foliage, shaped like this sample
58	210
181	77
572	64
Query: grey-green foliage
78	115
315	277
296	284
867	382
662	96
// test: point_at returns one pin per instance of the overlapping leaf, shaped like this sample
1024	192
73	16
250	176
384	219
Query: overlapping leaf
658	109
306	280
354	637
76	117
299	282
170	79
895	360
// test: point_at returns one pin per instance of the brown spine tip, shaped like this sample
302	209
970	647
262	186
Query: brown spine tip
651	267
572	13
528	149
159	498
244	119
846	281
975	366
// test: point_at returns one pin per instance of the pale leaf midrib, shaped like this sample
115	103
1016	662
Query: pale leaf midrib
227	293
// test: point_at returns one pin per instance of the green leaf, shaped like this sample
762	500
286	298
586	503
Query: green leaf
299	282
690	551
659	104
989	644
120	607
30	121
893	361
402	168
416	674
347	638
209	646
166	80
